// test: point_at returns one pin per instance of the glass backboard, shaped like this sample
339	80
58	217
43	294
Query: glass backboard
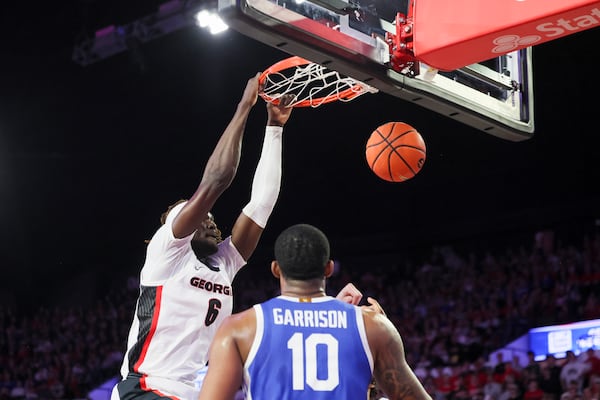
494	96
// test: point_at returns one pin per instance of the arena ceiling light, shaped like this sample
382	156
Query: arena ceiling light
211	20
170	17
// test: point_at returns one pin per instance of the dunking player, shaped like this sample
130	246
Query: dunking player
186	279
304	344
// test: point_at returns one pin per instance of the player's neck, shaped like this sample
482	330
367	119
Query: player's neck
302	293
294	288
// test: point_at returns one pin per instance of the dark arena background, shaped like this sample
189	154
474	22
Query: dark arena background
490	239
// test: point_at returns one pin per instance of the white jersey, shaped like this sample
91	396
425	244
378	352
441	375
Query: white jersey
182	302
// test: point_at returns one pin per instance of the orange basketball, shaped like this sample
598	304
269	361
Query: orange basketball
395	152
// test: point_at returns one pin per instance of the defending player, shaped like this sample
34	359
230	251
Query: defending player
305	344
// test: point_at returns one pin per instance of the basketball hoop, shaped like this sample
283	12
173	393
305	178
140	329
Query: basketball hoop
311	84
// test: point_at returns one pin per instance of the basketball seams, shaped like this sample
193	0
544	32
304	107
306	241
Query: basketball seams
395	151
385	138
401	157
391	172
378	155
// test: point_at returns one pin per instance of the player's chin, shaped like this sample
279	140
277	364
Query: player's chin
205	246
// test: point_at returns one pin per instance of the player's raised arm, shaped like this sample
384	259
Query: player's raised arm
220	168
266	183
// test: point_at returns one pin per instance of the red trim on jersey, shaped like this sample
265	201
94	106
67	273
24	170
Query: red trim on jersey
157	304
158	392
164	395
143	384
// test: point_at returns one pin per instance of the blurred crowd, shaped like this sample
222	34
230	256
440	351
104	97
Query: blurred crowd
571	378
454	307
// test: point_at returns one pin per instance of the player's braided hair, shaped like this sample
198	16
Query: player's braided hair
163	216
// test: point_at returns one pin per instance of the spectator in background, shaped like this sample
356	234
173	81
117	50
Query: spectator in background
532	369
573	370
592	390
500	368
492	388
429	385
533	391
475	383
461	389
514	368
571	392
444	384
511	390
593	365
550	378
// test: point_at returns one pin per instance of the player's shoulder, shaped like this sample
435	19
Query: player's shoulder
239	327
240	319
377	324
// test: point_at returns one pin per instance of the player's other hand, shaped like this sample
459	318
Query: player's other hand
251	91
350	294
373	306
280	113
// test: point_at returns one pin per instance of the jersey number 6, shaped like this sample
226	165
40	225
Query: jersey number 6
214	305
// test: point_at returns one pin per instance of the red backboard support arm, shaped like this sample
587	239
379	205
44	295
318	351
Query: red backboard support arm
402	58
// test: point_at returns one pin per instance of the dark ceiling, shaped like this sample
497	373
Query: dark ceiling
90	156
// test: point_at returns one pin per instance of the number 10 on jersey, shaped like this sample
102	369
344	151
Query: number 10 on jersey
306	366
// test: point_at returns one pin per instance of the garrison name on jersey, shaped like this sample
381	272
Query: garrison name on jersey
311	318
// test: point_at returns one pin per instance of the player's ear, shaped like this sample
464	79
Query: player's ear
329	268
275	269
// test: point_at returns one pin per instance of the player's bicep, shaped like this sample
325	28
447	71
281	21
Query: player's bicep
191	216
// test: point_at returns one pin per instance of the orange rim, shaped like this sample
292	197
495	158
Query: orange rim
293	62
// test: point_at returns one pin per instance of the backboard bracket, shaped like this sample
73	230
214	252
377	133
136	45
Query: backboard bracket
402	57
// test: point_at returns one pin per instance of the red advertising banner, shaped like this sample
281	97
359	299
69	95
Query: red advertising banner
452	34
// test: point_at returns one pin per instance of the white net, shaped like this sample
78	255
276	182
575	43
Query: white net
313	85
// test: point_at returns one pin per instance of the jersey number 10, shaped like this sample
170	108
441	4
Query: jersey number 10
304	358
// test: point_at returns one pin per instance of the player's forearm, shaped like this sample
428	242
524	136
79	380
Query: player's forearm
267	178
224	161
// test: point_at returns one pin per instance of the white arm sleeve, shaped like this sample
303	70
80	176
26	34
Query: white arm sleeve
267	178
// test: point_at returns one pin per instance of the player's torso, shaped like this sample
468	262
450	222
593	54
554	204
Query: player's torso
177	321
311	351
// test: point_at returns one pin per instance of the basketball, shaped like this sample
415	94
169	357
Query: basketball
395	152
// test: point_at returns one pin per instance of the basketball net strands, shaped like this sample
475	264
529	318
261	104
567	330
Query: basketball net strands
311	84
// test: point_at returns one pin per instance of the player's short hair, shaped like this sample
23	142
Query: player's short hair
302	252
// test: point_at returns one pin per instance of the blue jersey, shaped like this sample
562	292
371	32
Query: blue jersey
313	350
